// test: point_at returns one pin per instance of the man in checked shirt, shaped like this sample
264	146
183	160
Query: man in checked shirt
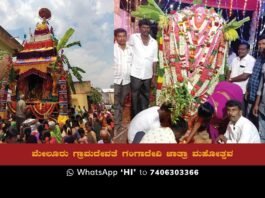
254	81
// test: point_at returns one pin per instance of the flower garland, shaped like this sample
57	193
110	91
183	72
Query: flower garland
231	8
192	54
40	111
244	8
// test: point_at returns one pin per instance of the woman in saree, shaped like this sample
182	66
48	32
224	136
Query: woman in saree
211	115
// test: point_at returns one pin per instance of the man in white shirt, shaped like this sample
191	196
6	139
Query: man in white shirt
166	135
122	66
231	56
143	71
148	119
241	68
239	129
161	135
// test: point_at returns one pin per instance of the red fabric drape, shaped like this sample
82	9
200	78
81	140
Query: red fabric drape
38	45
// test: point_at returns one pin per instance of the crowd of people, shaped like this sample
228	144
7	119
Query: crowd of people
82	127
234	113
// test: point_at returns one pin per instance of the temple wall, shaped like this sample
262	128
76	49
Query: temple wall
79	99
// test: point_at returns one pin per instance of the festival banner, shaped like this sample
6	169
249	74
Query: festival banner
3	96
136	155
63	100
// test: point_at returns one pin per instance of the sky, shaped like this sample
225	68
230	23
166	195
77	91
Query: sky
93	24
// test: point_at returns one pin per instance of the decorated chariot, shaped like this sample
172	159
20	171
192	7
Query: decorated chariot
40	75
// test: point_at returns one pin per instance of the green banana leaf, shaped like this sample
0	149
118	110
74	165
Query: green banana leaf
235	24
76	73
73	44
197	2
79	69
12	74
65	39
153	3
146	15
71	82
150	11
66	61
75	70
